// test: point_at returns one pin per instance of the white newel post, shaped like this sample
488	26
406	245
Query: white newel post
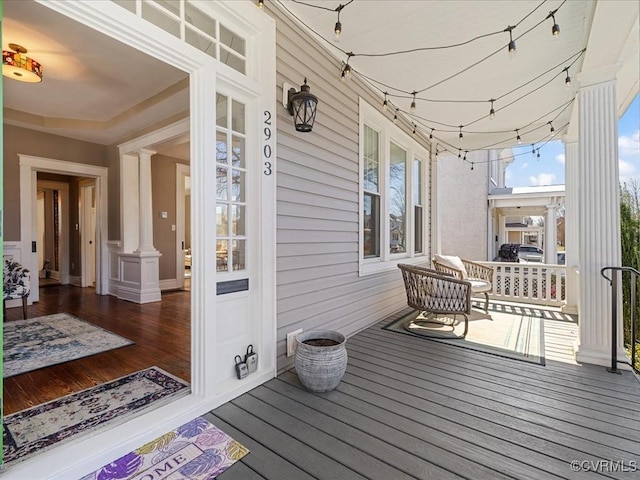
599	215
550	235
571	162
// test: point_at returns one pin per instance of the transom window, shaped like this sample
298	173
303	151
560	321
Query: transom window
392	185
187	21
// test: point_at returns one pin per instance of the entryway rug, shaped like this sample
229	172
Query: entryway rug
195	451
517	336
44	341
38	428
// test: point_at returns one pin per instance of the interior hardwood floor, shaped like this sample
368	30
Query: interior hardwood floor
161	332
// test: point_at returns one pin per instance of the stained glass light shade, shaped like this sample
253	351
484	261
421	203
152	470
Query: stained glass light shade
16	65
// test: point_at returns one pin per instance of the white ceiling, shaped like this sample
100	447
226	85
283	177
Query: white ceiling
373	26
94	88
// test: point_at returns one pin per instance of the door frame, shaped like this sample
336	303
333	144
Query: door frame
84	216
29	168
182	171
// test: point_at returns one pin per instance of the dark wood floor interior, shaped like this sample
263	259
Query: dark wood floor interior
161	332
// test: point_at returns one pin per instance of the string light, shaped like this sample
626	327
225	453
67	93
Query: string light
533	150
518	139
338	28
460	136
414	128
459	153
431	134
395	116
413	103
555	30
538	155
260	3
552	129
465	155
512	42
385	104
567	80
471	166
492	112
346	71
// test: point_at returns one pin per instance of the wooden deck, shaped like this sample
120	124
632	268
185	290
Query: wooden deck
410	408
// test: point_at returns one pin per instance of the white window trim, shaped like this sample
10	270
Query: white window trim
388	132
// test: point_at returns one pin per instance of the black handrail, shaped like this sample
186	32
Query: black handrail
613	281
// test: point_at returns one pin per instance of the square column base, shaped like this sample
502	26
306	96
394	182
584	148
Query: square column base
139	277
600	356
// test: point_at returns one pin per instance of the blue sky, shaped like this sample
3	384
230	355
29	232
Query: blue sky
527	170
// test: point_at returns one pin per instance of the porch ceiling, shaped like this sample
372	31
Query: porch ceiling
370	26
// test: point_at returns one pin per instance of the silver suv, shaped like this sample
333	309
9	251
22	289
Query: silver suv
530	253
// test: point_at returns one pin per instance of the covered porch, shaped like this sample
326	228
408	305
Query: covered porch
415	408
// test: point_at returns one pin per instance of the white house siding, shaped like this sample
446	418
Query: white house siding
462	204
318	285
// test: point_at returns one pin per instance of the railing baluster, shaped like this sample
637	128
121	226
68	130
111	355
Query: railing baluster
633	321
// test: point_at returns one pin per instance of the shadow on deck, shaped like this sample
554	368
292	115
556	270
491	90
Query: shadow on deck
413	408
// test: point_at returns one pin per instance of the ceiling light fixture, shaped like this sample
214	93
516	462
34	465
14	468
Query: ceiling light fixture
512	42
567	80
18	66
302	106
492	112
555	30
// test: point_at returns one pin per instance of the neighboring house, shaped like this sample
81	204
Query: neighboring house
293	231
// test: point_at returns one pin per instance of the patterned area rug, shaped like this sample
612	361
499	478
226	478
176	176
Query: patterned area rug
195	451
38	428
519	336
44	341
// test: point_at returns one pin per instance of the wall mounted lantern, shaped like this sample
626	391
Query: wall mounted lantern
302	106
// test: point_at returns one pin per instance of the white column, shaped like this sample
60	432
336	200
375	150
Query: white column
599	214
146	204
550	235
502	235
491	234
129	202
572	185
436	241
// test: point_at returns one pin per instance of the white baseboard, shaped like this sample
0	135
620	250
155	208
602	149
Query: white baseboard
75	280
169	284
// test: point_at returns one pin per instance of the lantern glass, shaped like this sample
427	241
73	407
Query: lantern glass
303	105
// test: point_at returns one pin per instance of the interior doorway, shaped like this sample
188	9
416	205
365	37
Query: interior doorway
184	259
87	233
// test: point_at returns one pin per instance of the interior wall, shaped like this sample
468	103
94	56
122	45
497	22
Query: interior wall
163	194
18	140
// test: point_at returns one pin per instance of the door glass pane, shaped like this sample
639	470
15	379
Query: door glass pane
199	19
231	40
237	117
200	41
237	220
397	199
239	253
417	182
221	148
229	58
237	153
221	111
238	188
222	251
222	220
418	229
160	19
172	5
222	192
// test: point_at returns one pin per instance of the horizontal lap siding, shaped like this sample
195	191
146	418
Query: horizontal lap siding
318	286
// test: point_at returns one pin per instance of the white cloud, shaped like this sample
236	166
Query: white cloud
524	165
629	145
627	169
508	175
542	179
560	158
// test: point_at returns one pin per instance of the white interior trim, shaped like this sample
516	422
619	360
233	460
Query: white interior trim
64	227
182	171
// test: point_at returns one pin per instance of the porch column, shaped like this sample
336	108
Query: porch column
571	244
550	235
502	236
599	214
491	234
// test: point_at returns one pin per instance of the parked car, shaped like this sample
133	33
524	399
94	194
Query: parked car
508	253
530	253
561	258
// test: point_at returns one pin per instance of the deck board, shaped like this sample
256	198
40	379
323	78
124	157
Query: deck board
412	408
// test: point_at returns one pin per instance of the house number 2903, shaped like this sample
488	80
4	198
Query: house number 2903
266	151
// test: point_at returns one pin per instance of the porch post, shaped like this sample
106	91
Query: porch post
571	225
550	235
599	214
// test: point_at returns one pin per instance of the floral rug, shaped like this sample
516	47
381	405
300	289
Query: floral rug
44	341
41	427
195	451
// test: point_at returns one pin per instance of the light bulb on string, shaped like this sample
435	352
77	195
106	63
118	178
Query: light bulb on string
533	150
385	104
346	71
337	30
431	134
512	42
459	153
413	103
471	166
460	136
260	3
395	116
567	80
492	112
538	155
519	140
555	30
465	155
414	128
552	129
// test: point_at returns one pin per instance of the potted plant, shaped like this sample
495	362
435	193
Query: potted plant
320	359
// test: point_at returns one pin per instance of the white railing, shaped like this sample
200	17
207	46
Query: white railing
537	283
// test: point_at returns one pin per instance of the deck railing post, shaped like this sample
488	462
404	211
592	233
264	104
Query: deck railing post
633	321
